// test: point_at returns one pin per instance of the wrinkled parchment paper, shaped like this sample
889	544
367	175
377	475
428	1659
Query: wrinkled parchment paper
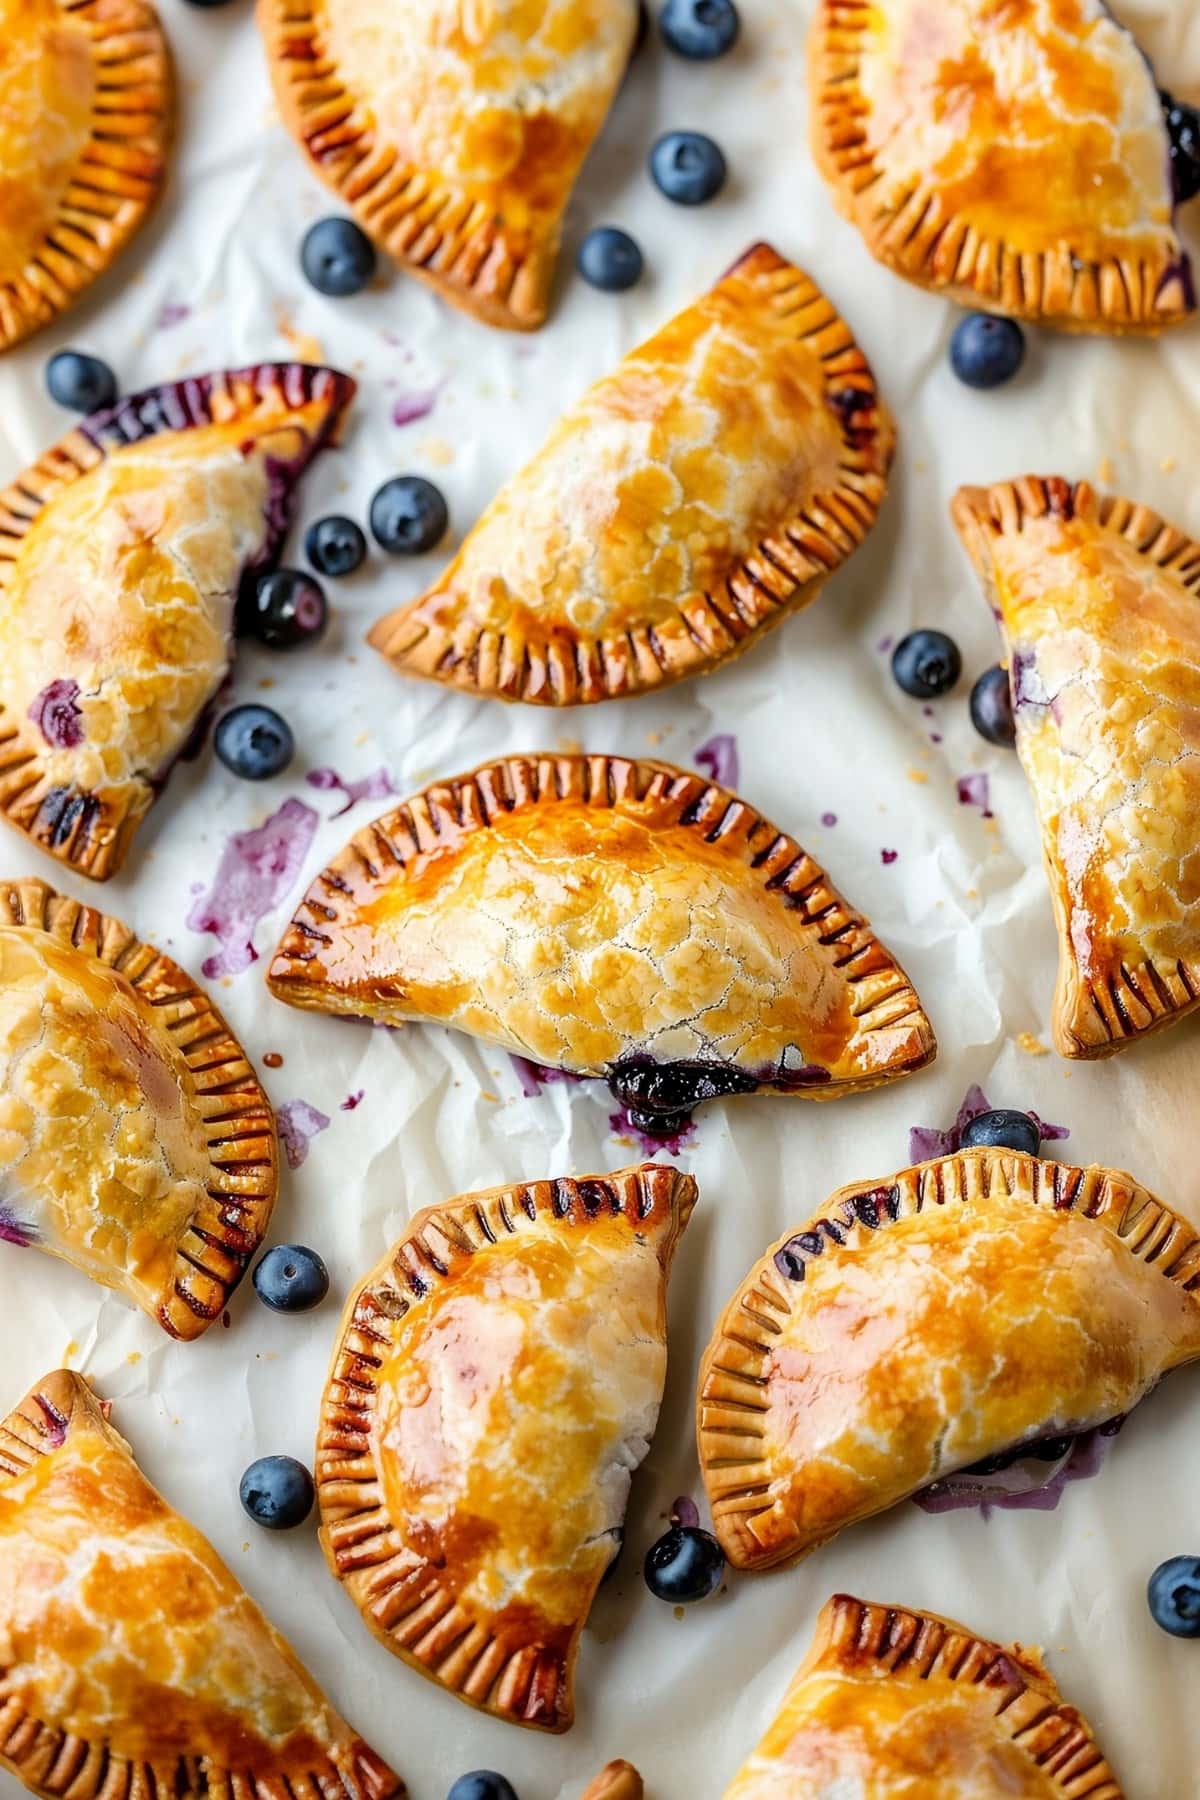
820	730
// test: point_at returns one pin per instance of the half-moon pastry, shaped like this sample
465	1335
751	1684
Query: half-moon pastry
135	1140
623	920
920	1325
495	1384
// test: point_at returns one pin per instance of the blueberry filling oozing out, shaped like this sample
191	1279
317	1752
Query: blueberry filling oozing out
661	1097
1047	1449
1183	135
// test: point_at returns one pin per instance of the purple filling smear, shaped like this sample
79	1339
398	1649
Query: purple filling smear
884	645
172	312
925	1142
829	819
408	408
56	1425
376	786
719	759
1027	1484
352	1100
58	716
975	790
621	1125
299	1123
15	1231
1028	688
888	856
684	1511
535	1076
256	870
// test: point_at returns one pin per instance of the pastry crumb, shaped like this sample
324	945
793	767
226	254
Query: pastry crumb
272	1059
487	1094
568	746
1168	463
437	451
654	737
1031	1044
681	1612
133	1357
1106	470
918	775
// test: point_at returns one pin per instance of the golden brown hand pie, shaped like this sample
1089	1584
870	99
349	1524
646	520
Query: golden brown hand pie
623	920
923	1324
1013	153
131	1661
455	132
898	1705
121	553
619	1781
86	106
135	1140
692	499
1099	602
495	1385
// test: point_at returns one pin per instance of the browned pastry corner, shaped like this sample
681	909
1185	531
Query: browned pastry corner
619	1781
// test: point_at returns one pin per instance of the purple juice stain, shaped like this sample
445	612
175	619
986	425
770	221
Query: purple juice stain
975	790
58	716
408	408
925	1142
299	1123
534	1076
353	1101
887	857
621	1125
171	313
255	872
884	645
1023	1480
15	1231
375	786
718	757
828	818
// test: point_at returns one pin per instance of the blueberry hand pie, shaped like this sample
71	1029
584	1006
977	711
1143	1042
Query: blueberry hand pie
1099	602
121	554
454	131
131	1661
692	499
1015	154
86	106
623	920
496	1384
963	1309
898	1705
135	1141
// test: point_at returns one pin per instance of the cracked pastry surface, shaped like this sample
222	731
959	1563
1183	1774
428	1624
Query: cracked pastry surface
1013	153
897	1705
455	132
86	109
691	500
1099	603
620	919
121	553
130	1658
495	1385
135	1140
920	1325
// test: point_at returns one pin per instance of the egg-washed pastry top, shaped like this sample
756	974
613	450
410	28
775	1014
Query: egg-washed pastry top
122	551
495	1384
1013	153
1099	602
132	1663
688	502
926	1323
86	110
623	920
897	1705
455	132
617	1781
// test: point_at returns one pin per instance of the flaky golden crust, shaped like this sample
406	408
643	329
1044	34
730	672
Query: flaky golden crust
922	1324
1010	153
900	1705
132	1663
1099	602
618	1781
495	1384
135	1140
691	500
594	913
86	112
455	133
121	553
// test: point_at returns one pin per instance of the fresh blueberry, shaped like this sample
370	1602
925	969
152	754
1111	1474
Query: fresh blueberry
926	664
610	259
83	383
286	609
482	1784
1002	1129
408	516
291	1278
253	742
699	29
1183	134
1174	1596
277	1491
688	167
985	351
992	707
685	1565
335	546
337	258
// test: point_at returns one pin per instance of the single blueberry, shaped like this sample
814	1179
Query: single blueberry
687	167
926	664
286	609
253	742
291	1278
408	516
985	351
699	29
992	707
610	260
1002	1129
685	1565
335	545
83	383
482	1784
337	258
1174	1596
1183	136
278	1492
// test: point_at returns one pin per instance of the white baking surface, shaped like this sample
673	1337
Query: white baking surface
821	728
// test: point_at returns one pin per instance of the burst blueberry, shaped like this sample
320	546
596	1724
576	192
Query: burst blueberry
335	546
277	1492
291	1278
253	742
1174	1596
699	29
82	383
286	610
482	1784
1002	1129
409	516
687	167
337	258
992	707
985	351
926	664
685	1565
609	259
